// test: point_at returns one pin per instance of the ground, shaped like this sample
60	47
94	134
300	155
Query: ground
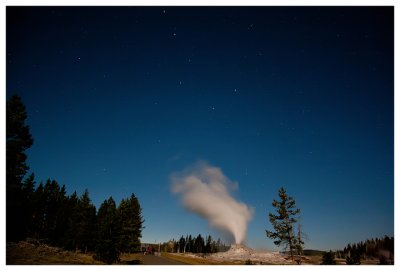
26	253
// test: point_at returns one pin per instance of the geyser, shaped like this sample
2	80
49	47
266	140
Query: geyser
205	190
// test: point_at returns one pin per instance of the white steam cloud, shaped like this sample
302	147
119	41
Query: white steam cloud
205	190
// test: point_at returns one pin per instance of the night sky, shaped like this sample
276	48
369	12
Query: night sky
120	98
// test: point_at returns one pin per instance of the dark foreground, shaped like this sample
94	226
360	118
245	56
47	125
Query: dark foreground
25	253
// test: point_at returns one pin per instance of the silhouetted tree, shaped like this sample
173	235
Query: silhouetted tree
328	258
53	200
18	140
207	248
108	233
37	228
283	221
61	219
129	213
181	244
28	195
84	223
199	244
70	220
189	244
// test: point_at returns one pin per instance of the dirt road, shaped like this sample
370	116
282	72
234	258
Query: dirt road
157	260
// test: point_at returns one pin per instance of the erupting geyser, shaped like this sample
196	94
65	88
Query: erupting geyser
205	191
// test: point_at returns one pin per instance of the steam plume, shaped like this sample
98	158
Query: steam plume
205	191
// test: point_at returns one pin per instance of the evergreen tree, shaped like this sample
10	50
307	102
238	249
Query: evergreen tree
199	244
53	200
283	222
328	258
208	244
18	140
181	244
28	195
61	217
84	223
190	244
129	213
37	228
214	247
69	214
108	233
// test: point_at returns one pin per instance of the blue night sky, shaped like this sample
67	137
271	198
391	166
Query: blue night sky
119	99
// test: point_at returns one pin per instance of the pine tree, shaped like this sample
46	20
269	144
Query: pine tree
129	213
328	258
18	140
190	244
69	213
84	223
28	195
283	222
199	244
108	233
137	222
181	244
61	217
37	227
53	199
208	244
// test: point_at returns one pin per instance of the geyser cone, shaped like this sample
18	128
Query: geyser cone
240	249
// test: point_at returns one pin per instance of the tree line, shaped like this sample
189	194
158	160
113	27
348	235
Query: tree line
378	248
195	245
47	214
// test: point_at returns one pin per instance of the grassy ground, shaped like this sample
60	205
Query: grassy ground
130	258
195	260
24	253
